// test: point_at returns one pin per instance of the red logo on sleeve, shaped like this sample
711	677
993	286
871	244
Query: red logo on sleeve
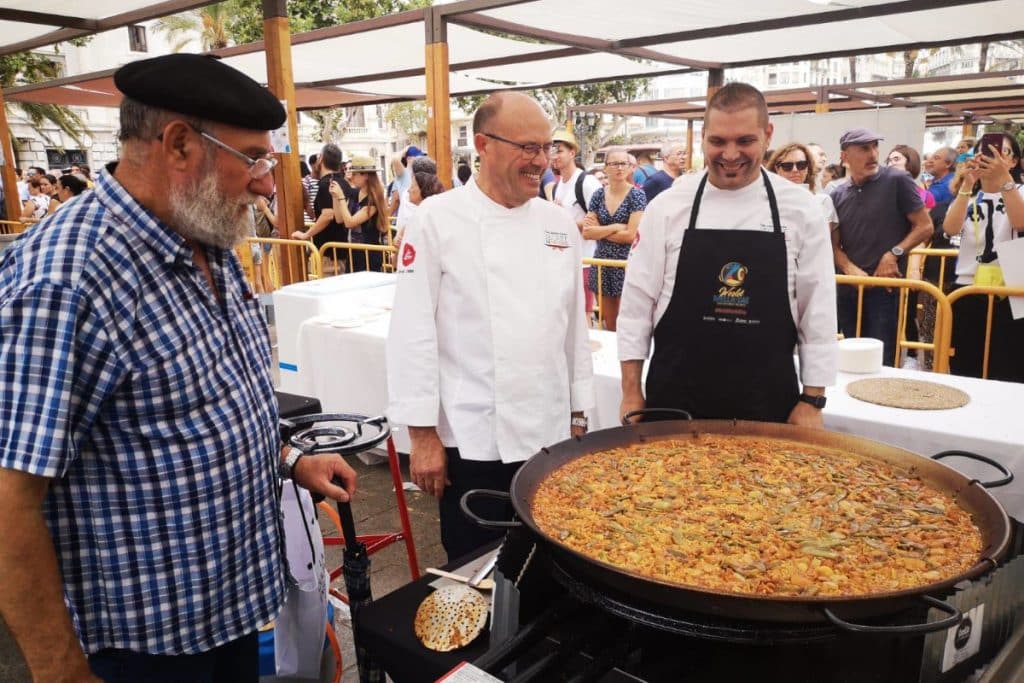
636	240
408	255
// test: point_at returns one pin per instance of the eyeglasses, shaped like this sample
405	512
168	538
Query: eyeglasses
258	168
617	164
530	150
788	166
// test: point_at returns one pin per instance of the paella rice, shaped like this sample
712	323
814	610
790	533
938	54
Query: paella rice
757	516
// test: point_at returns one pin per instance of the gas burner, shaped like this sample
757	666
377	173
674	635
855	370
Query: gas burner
334	433
701	626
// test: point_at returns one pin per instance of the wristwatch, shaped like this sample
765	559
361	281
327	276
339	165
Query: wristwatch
287	467
1009	186
897	251
816	401
580	422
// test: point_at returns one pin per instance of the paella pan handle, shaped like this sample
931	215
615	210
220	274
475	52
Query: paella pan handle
1007	474
648	411
477	519
954	619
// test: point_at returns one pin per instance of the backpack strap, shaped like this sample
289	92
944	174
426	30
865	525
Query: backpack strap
579	191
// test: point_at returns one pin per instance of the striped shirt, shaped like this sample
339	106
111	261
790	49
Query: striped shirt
149	402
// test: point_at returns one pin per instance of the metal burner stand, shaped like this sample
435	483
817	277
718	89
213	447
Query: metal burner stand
349	435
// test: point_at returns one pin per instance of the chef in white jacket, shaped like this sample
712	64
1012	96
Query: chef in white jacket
488	354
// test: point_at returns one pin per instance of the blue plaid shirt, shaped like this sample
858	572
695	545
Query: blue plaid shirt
150	404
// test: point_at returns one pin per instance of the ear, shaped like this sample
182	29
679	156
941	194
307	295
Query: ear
179	148
479	143
769	131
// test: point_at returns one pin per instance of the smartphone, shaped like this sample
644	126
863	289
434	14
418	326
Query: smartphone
993	139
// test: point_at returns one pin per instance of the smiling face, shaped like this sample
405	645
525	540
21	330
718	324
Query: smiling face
509	175
734	144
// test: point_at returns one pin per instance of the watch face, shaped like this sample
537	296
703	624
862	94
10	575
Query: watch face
897	251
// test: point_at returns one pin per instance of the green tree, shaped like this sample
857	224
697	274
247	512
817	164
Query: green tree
208	25
23	68
558	102
409	118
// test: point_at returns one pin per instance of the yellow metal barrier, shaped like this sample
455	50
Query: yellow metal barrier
388	251
601	264
13	227
310	265
991	293
942	254
939	346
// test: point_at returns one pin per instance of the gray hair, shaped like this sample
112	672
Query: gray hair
424	164
950	155
667	148
142	122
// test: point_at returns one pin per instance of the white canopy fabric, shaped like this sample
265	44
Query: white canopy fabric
497	44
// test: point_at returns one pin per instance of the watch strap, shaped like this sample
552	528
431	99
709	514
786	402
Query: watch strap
816	401
287	467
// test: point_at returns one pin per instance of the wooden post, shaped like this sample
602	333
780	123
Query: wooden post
10	180
439	125
287	176
968	130
821	106
689	144
716	79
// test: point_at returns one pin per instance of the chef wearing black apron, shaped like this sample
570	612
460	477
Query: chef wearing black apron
729	309
728	301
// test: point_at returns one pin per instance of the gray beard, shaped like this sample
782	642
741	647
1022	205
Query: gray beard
201	212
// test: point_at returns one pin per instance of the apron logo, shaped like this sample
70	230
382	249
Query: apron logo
408	255
732	274
731	300
556	240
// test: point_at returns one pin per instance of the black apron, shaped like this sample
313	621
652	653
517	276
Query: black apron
724	347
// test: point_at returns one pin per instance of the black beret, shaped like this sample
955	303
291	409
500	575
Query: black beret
203	87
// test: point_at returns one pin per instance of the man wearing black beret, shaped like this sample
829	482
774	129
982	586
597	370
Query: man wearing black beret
139	447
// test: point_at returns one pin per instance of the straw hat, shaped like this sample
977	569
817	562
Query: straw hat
566	136
362	164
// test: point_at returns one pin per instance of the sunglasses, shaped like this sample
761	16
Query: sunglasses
788	166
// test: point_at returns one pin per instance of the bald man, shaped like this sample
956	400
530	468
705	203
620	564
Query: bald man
488	356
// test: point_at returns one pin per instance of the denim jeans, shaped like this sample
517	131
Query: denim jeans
878	319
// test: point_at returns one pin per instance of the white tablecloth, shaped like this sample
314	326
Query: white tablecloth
346	369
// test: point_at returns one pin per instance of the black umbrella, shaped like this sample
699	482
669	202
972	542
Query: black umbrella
356	570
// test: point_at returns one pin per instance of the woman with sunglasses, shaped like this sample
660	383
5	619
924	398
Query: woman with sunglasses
612	219
987	209
795	163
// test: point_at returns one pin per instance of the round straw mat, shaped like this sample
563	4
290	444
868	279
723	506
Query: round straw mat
907	393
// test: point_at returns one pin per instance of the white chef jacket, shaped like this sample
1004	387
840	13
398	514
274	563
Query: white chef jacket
651	275
488	337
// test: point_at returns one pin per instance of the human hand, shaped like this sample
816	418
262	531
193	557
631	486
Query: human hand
631	402
300	235
853	269
590	221
888	266
806	415
996	167
335	189
967	175
317	473
428	463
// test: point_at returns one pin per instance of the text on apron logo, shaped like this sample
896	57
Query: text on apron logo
731	295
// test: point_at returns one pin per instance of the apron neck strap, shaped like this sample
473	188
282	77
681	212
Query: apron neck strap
772	203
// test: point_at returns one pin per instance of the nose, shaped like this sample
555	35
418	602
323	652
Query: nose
262	186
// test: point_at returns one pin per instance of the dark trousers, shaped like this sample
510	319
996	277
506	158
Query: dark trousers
878	319
459	535
1006	351
231	662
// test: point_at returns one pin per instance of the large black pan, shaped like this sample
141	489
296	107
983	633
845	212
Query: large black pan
970	494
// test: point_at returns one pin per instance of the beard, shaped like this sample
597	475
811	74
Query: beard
201	211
